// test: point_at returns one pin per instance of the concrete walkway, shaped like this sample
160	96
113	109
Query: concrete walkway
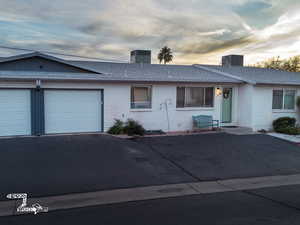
238	130
152	192
290	138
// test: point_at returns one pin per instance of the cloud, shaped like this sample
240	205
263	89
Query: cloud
211	46
196	31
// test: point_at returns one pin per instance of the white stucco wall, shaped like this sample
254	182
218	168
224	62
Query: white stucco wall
117	104
179	119
263	114
245	105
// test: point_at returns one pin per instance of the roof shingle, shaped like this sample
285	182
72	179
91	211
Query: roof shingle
260	75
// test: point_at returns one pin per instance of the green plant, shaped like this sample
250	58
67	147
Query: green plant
133	127
289	130
165	55
117	128
262	131
283	122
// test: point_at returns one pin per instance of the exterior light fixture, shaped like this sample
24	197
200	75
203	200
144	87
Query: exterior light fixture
38	84
218	92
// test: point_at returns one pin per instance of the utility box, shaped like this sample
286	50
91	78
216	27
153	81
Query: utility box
140	56
233	60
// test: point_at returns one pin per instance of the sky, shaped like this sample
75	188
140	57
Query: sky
198	31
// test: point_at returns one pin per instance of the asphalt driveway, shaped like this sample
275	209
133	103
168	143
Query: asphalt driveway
224	156
54	165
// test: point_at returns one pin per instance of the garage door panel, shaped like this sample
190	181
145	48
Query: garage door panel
15	117
69	111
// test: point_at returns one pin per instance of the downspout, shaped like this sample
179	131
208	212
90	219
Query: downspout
165	103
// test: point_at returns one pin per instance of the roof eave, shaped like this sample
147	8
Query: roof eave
112	80
276	84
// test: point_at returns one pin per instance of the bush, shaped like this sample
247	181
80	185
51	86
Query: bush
262	131
133	127
283	123
117	128
289	130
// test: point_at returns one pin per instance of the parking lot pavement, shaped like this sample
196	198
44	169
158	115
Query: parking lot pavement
225	156
54	165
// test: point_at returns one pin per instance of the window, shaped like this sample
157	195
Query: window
284	99
195	97
141	97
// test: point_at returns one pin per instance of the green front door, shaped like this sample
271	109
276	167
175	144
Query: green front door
227	105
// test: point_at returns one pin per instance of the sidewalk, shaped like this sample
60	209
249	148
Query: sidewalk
286	137
70	201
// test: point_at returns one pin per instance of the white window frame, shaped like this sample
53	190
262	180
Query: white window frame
196	107
151	97
284	91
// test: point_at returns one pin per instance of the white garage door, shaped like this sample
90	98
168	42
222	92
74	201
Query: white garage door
15	117
68	111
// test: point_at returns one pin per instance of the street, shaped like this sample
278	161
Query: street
277	205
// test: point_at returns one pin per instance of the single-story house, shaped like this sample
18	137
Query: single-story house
42	94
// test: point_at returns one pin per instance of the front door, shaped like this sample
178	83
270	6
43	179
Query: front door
227	105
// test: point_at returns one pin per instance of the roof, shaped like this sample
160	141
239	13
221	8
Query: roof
256	75
45	56
123	72
189	74
156	72
126	72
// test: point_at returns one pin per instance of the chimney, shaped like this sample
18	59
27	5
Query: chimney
140	56
233	60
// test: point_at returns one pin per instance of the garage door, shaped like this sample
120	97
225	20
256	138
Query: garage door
68	111
15	118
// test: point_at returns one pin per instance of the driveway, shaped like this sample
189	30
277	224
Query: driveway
53	165
223	156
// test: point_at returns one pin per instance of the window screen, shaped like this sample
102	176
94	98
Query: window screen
140	97
195	97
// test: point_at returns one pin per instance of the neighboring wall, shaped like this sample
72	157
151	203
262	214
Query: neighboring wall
117	104
263	114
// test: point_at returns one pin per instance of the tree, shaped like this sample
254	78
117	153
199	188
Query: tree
291	64
165	55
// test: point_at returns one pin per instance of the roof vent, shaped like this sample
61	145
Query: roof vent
140	56
233	60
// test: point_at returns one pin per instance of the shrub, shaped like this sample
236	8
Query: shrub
117	128
133	127
289	130
283	123
262	131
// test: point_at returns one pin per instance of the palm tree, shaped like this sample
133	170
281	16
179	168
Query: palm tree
165	55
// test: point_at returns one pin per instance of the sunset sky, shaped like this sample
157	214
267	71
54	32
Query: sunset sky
198	31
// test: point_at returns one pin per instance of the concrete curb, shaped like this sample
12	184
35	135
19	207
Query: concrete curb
8	208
